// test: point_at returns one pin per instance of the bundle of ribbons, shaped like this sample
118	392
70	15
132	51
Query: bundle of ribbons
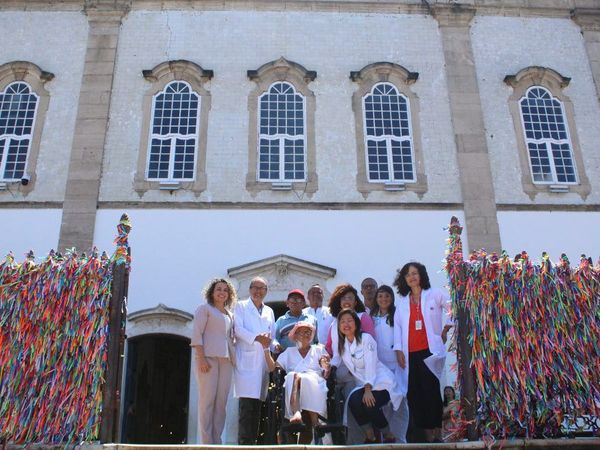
533	332
53	344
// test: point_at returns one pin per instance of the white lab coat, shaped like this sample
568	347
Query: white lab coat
435	304
324	320
361	360
384	335
251	377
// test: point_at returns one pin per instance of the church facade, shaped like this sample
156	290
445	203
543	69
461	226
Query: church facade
305	141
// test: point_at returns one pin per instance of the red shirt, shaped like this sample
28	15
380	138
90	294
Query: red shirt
417	339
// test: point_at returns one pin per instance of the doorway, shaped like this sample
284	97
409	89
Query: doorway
157	384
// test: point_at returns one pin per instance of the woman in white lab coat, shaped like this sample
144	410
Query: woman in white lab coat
420	332
375	383
383	317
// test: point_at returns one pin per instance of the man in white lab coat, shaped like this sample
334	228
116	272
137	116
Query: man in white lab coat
319	312
254	330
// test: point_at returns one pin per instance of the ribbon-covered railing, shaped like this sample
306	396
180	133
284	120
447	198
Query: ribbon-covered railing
533	332
53	340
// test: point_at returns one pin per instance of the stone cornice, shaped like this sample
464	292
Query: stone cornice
122	6
587	18
382	70
453	15
524	8
538	75
160	312
180	68
283	66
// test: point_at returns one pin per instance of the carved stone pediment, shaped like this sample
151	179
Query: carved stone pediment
160	319
283	273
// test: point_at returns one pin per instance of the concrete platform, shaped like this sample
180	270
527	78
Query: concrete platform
571	444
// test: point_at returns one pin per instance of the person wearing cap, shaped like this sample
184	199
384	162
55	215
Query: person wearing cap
305	387
321	313
295	303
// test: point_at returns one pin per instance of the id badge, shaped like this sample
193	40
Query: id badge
418	325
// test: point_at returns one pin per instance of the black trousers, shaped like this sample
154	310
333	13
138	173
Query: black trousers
364	414
249	420
424	398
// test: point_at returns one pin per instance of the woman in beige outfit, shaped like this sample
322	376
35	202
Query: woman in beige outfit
212	342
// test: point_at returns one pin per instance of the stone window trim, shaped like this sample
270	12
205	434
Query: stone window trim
160	76
554	82
299	77
36	78
402	79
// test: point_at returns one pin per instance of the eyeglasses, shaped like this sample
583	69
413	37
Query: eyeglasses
259	288
296	300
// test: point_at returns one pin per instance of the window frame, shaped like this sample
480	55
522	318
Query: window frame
35	78
161	76
401	79
547	142
388	139
173	138
9	138
264	77
554	83
281	138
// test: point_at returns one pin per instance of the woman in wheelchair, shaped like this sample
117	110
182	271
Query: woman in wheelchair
307	366
375	383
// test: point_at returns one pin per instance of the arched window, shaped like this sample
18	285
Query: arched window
174	134
388	135
172	152
24	102
281	138
281	144
547	137
18	105
388	138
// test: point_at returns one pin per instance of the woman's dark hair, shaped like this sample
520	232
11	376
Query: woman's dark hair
392	309
335	301
453	395
357	332
400	281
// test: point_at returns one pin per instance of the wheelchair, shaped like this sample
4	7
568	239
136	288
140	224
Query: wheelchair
279	430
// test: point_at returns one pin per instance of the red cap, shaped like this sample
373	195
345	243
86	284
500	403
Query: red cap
296	292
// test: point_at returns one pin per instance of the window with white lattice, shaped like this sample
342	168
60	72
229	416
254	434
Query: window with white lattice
173	145
23	106
547	136
18	105
281	143
548	146
281	140
388	135
174	133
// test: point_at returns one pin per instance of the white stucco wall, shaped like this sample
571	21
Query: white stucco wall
572	233
175	252
29	229
56	42
230	43
505	45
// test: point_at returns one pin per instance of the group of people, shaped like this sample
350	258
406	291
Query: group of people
388	356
